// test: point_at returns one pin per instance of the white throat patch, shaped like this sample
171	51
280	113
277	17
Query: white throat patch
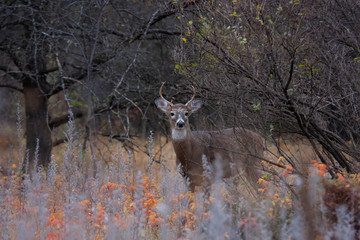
178	134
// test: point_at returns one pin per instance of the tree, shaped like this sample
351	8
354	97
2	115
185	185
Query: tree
281	67
94	50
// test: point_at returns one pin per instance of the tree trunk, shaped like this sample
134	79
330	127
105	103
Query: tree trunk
38	133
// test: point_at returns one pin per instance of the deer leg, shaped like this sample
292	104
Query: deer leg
195	181
189	178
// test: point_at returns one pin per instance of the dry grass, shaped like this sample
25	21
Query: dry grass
112	193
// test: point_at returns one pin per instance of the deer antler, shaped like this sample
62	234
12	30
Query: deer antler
193	96
160	91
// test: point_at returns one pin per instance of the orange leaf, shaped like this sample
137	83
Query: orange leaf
289	168
262	190
341	177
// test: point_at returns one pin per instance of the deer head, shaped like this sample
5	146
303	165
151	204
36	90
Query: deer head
178	113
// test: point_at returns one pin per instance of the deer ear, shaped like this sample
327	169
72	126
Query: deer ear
195	105
163	104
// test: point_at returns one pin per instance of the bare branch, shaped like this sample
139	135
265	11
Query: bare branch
12	87
169	10
56	122
49	70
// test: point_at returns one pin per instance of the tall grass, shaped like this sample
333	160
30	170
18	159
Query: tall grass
64	201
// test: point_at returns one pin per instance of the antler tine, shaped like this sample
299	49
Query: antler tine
160	91
193	96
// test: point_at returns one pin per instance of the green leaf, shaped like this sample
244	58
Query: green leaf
272	128
243	41
233	14
256	107
266	176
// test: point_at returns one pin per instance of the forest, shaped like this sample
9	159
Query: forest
86	151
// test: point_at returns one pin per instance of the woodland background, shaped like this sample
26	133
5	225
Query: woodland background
78	80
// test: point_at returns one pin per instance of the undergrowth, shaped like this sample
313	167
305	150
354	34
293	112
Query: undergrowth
119	202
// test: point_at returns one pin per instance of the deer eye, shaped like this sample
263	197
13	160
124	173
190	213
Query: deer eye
172	114
186	113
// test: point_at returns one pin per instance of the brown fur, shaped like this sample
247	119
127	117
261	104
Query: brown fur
231	151
240	148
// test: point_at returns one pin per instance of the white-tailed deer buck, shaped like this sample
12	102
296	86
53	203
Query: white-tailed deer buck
234	150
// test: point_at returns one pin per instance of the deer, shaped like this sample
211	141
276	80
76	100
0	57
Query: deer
233	151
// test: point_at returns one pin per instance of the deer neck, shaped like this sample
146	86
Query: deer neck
180	134
182	143
181	139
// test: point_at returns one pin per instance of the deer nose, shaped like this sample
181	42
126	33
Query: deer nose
180	124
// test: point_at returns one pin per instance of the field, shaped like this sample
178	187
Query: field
119	194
